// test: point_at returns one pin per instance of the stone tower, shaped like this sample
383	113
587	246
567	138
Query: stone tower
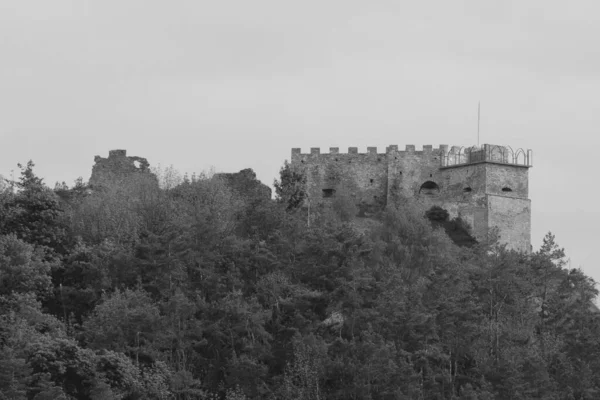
486	186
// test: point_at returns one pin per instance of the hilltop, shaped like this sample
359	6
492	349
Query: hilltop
152	285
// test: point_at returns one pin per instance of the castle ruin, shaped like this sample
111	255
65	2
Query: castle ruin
120	168
116	167
486	186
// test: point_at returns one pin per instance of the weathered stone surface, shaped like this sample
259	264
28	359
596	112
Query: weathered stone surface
117	167
487	187
246	184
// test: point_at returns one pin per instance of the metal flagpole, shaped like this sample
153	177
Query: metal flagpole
478	118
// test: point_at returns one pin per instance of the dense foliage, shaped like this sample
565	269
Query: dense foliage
194	290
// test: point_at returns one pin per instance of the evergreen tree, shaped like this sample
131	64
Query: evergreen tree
33	213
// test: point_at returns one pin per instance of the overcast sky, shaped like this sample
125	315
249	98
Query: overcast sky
237	84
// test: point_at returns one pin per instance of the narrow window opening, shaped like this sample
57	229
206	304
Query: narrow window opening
467	190
302	161
431	175
400	172
506	189
371	180
328	192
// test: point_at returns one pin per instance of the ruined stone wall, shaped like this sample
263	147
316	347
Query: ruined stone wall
117	167
246	184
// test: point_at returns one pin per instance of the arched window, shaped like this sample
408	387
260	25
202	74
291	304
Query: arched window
429	188
506	189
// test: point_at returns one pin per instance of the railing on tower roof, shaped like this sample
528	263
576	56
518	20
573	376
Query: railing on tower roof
487	153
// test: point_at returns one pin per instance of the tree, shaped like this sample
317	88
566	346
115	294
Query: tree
4	184
108	214
303	376
33	213
290	189
125	321
23	268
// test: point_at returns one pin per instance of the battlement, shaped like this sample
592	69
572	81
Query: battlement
448	156
316	151
409	149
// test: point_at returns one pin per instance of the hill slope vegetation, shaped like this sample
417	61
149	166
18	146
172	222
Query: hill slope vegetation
193	289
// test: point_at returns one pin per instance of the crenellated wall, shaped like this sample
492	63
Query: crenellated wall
486	186
362	175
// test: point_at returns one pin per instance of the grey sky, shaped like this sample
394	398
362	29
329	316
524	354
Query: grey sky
237	84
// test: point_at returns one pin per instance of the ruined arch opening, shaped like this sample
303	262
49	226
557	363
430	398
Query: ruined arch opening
429	188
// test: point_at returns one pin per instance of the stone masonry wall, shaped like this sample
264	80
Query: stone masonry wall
117	167
409	169
513	219
502	177
464	196
362	175
485	194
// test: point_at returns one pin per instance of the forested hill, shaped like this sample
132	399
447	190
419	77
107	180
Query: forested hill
166	288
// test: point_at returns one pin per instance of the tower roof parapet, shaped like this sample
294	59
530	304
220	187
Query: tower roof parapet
489	153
